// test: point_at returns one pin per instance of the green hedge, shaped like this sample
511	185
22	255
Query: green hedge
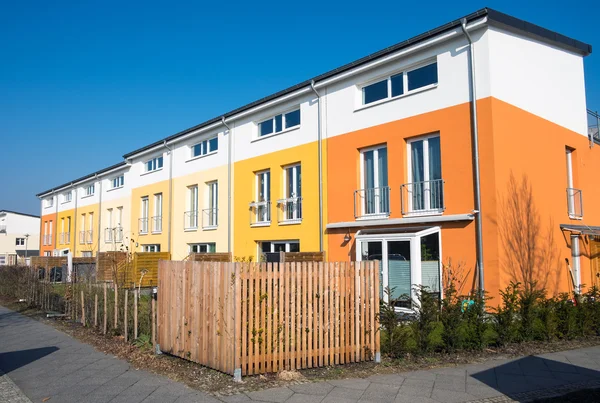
457	322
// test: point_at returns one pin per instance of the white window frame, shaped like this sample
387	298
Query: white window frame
212	204
89	190
201	244
118	182
158	210
205	148
266	203
375	149
145	212
87	253
291	198
154	164
49	202
405	92
17	243
283	124
67	196
272	249
426	178
155	248
191	215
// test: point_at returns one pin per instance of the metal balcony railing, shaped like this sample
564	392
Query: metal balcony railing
108	235
82	237
47	239
425	197
64	238
143	225
89	236
190	219
119	234
210	218
290	210
260	213
575	203
157	224
372	202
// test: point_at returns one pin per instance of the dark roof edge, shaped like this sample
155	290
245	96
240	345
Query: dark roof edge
110	168
16	212
540	32
493	15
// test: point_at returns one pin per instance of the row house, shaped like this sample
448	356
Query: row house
445	153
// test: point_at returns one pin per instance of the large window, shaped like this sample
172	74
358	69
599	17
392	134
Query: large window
118	182
425	190
49	202
211	212
154	164
191	216
157	219
67	196
89	190
151	248
400	83
202	247
205	147
292	194
262	206
143	225
374	196
574	195
279	123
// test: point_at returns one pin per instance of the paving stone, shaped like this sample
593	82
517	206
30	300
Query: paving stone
239	398
358	384
420	383
315	388
482	392
275	395
424	375
414	399
196	397
422	391
304	398
387	379
451	396
380	393
345	393
456	384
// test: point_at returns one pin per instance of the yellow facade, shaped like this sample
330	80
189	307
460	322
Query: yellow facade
152	236
85	230
185	234
246	236
115	214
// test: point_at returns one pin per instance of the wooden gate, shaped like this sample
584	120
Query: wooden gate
264	317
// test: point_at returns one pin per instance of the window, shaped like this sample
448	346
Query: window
89	190
279	246
119	216
47	253
262	211
374	195
210	214
191	216
157	219
151	248
279	123
574	196
2	260
401	83
143	224
45	238
425	191
87	254
154	164
292	193
90	233
202	247
49	202
118	182
20	242
67	196
205	147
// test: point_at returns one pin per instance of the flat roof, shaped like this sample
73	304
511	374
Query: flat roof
494	17
16	212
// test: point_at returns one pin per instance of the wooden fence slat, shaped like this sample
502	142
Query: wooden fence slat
280	312
244	310
304	318
296	316
310	318
125	327
269	318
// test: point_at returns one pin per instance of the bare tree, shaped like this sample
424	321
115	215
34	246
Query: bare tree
529	253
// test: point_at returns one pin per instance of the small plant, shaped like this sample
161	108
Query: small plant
143	341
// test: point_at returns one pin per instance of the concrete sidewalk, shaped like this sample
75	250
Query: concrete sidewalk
45	363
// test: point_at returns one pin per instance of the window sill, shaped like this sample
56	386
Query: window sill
191	229
151	172
209	228
86	196
386	100
117	188
261	224
143	233
156	232
373	217
291	222
201	156
65	202
574	217
425	213
268	136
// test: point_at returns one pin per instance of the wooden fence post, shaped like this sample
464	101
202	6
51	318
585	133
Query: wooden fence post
104	317
135	314
116	318
82	309
96	310
153	321
125	315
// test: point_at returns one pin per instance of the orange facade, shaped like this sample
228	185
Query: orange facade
512	142
47	238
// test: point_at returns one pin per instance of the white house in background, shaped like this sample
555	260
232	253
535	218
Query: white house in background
19	236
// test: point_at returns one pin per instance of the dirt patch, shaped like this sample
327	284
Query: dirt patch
219	384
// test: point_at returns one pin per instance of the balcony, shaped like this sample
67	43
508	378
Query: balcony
143	226
119	235
82	237
190	220
210	218
108	235
260	213
422	198
47	239
289	210
89	236
64	238
372	203
156	224
575	203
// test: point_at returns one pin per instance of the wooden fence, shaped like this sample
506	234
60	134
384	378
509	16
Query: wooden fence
210	257
251	318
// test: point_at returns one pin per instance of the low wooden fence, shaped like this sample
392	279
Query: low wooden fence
210	257
251	318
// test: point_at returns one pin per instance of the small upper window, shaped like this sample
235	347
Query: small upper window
205	147
49	202
279	123
400	83
90	189
20	242
118	182
67	196
154	164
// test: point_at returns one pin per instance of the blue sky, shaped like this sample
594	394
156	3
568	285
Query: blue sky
82	83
